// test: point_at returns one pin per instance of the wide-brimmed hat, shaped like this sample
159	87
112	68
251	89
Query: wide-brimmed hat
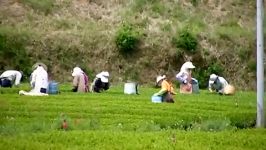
213	77
39	64
76	71
189	65
159	78
103	76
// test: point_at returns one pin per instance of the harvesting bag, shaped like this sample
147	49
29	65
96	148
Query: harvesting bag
229	90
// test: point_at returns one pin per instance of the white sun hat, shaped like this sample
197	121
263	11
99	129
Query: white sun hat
103	76
213	77
159	78
189	65
76	71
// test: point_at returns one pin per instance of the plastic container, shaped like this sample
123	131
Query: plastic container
195	86
53	88
130	88
156	99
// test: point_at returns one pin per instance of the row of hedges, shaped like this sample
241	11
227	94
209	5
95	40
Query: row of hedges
114	110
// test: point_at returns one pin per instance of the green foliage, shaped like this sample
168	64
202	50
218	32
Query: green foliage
252	65
45	6
127	38
158	8
97	120
139	5
232	33
213	125
202	74
194	2
244	54
186	41
13	53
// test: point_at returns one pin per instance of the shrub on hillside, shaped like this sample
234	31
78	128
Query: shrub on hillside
202	74
186	41
127	39
13	50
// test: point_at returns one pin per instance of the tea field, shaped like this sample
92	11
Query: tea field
112	120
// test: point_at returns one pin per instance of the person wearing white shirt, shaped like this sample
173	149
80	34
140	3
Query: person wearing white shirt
10	77
100	82
39	82
217	84
185	78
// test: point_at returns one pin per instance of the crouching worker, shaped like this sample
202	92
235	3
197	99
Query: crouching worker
80	80
220	85
100	82
167	90
185	78
10	78
39	82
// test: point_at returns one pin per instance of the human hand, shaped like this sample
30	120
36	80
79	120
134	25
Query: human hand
155	94
174	93
185	81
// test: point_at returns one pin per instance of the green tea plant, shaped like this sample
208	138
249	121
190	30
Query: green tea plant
113	119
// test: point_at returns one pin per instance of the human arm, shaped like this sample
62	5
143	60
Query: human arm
210	86
75	83
33	78
18	78
182	77
161	92
165	87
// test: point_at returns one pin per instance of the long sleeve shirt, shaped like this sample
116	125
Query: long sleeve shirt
12	75
218	85
166	87
39	79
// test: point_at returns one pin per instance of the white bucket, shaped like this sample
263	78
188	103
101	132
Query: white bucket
130	88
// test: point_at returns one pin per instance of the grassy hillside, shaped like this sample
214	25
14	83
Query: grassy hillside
112	120
66	33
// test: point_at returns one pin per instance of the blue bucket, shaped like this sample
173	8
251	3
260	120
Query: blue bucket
53	88
156	99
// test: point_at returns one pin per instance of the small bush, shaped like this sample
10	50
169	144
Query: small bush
186	41
13	54
127	39
202	73
252	65
195	3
